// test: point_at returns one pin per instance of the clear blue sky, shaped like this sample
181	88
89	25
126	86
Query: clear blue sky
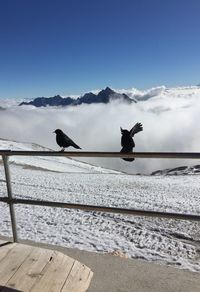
65	47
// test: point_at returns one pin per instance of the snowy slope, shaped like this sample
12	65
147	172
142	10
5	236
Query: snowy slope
58	164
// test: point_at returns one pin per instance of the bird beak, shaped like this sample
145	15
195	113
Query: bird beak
53	132
121	129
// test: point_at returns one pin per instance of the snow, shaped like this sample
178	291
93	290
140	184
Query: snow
170	242
58	164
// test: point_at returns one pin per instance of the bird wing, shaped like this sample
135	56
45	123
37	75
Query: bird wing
70	142
137	128
67	139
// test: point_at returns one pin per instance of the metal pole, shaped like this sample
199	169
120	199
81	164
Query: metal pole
134	212
10	198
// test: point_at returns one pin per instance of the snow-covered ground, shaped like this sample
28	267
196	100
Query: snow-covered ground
165	241
58	164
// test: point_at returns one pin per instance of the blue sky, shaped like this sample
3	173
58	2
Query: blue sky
70	47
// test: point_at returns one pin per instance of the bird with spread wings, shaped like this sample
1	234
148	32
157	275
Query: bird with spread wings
127	141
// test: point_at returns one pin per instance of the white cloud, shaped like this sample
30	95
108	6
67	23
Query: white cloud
170	120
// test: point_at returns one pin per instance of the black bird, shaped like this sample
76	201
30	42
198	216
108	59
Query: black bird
64	141
127	142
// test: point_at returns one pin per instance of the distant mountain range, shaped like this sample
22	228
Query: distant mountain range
181	170
104	96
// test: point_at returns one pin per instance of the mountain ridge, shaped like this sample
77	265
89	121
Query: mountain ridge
104	96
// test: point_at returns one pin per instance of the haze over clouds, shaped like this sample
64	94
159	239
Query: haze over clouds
170	120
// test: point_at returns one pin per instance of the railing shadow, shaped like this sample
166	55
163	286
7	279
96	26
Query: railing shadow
5	243
8	289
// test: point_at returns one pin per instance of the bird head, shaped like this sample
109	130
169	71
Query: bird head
124	132
58	131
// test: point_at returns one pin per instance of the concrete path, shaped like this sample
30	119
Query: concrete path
115	274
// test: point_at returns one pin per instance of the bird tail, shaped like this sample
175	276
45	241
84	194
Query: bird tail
76	146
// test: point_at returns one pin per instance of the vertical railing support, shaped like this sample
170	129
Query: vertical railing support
10	202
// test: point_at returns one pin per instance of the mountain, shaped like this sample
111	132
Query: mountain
56	100
181	170
104	96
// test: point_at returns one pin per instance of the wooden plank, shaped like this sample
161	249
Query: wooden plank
10	264
78	279
5	248
55	274
31	270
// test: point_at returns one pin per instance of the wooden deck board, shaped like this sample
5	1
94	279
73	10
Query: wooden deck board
7	247
55	275
13	260
32	269
79	274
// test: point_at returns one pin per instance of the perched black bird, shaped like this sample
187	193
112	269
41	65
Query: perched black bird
127	142
64	141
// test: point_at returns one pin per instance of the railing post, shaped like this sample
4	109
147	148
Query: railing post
10	202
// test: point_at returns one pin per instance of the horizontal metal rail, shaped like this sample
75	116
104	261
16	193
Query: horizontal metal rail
135	212
173	155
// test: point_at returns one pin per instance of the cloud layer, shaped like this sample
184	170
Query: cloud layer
170	120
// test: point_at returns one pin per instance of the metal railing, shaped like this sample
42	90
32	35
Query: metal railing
11	201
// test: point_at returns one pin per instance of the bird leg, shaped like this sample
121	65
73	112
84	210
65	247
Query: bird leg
62	150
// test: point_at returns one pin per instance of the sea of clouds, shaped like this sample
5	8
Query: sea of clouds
170	118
